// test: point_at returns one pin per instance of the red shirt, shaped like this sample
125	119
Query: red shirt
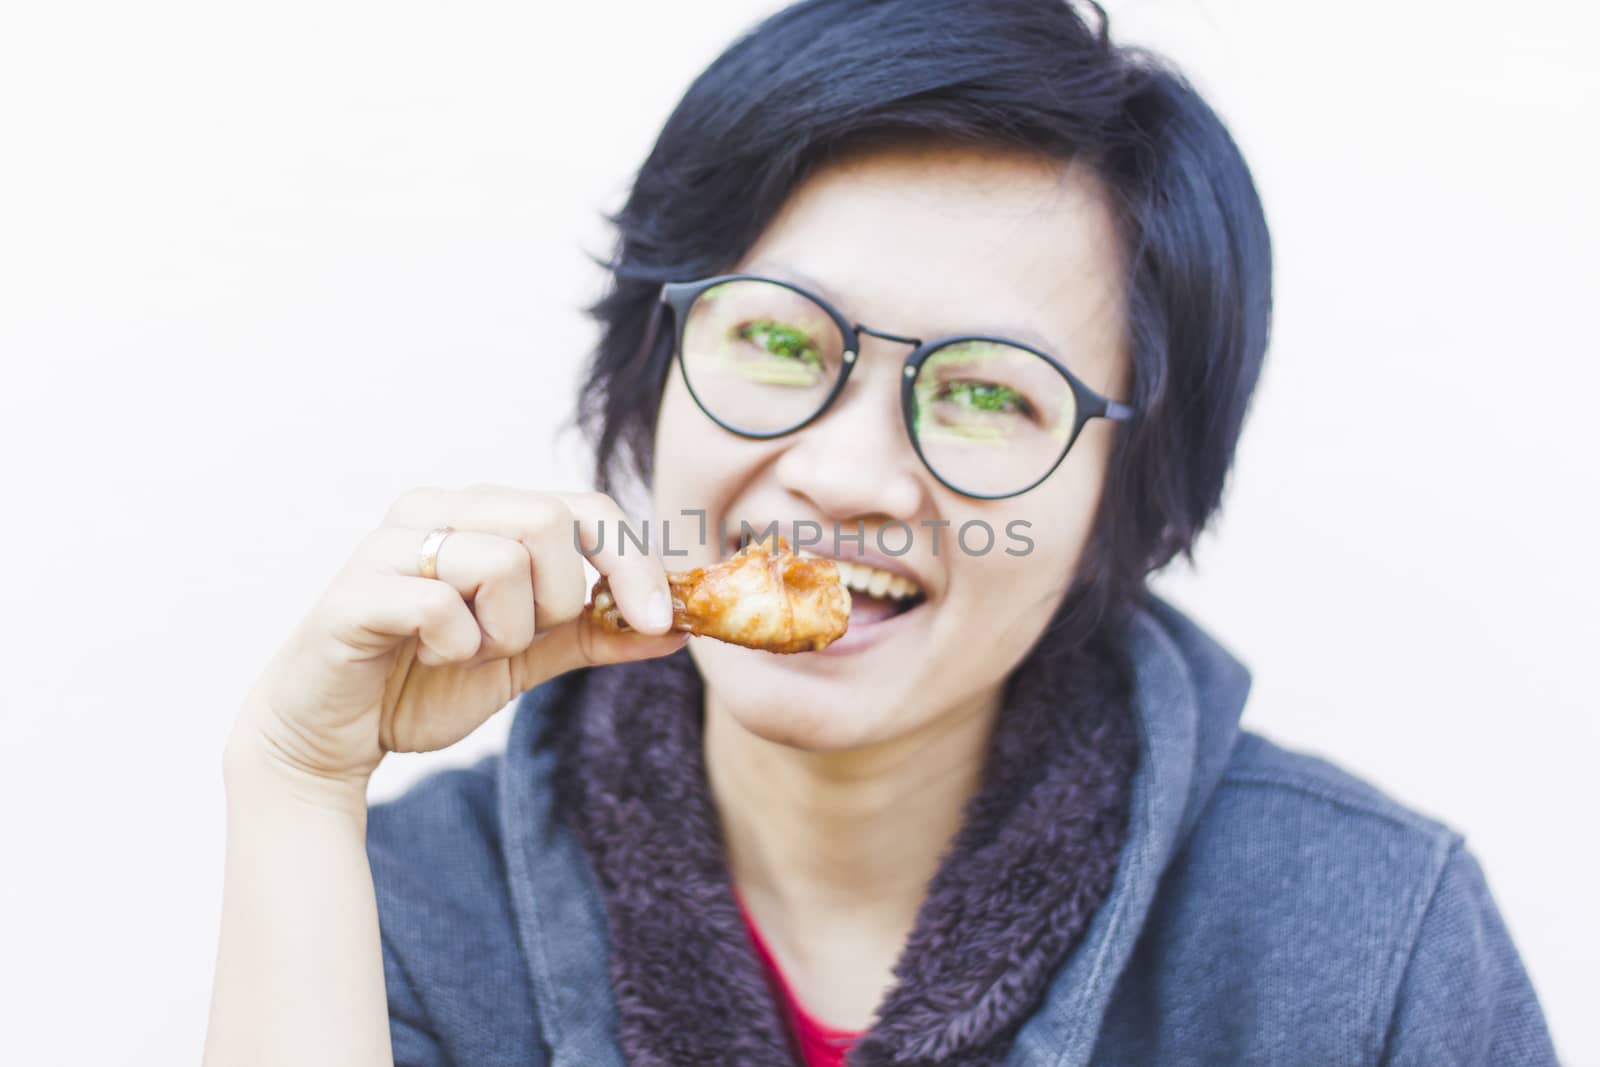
821	1045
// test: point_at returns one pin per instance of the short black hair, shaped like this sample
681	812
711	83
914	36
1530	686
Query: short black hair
823	76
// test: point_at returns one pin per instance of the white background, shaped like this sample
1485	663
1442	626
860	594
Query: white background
262	268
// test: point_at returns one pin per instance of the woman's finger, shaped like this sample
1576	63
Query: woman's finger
491	574
539	521
637	578
387	608
551	526
582	643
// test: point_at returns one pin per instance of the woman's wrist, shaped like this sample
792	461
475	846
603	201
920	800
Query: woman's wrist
256	772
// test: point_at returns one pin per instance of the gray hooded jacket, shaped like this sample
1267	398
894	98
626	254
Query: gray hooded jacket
1266	908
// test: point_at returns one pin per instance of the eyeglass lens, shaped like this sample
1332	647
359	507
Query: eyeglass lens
989	418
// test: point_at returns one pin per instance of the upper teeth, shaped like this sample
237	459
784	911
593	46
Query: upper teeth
873	581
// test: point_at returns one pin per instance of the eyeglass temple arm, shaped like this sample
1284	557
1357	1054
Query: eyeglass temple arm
1117	412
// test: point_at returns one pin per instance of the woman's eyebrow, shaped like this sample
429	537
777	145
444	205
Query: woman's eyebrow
1009	331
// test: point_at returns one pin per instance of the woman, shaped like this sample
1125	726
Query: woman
981	299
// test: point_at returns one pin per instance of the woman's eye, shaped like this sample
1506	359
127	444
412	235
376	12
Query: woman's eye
987	396
782	340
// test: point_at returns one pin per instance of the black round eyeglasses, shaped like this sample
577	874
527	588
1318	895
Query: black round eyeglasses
988	416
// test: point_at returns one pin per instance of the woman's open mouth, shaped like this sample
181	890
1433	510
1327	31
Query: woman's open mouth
876	596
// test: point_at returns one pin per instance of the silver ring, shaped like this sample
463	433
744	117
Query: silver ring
428	558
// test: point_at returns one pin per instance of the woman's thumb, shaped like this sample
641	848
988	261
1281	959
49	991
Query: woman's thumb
581	642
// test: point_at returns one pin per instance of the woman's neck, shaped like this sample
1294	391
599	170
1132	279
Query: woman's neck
835	849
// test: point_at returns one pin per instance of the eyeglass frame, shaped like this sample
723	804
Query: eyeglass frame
1089	404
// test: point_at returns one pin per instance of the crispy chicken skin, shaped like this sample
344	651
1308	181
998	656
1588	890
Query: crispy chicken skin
770	600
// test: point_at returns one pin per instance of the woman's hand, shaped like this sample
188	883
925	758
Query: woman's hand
389	661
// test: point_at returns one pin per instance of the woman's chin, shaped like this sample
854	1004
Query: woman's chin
814	730
787	707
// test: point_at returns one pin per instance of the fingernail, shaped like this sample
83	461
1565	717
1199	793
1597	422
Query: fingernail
660	610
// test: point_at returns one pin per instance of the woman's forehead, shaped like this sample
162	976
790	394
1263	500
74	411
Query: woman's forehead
934	240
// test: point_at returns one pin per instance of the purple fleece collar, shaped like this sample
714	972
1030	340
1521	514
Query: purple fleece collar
1034	858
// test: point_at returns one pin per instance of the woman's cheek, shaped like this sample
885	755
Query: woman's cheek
695	462
1026	573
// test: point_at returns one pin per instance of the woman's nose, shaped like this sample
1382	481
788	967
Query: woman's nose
856	460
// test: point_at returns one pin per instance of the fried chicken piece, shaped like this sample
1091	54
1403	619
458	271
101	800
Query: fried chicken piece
759	598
